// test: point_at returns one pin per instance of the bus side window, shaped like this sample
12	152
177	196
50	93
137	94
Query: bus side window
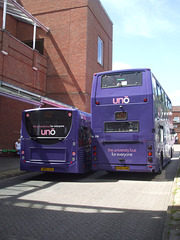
163	96
161	134
154	86
84	137
166	101
169	105
81	136
159	92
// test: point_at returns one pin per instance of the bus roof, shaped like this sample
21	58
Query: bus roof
123	70
55	108
52	108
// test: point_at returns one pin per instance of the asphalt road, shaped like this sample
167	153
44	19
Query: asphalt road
100	205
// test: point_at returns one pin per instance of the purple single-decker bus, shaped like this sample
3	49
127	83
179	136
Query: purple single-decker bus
132	128
55	140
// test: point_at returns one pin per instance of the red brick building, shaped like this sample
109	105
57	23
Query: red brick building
176	121
79	43
72	46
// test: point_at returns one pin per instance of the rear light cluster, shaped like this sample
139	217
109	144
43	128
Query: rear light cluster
22	156
150	159
73	157
94	153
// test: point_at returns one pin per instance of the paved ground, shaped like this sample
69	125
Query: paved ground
172	226
26	207
9	167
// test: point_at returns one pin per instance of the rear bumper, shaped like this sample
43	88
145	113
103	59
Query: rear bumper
124	168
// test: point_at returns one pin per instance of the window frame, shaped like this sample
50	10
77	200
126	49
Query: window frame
120	123
100	53
122	74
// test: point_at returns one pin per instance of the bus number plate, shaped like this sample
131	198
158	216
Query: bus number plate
43	169
118	168
121	115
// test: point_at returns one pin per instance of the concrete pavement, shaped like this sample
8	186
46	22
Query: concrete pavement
172	225
9	167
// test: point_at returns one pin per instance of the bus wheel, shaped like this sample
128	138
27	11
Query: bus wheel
172	153
160	170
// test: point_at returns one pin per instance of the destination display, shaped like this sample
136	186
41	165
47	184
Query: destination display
121	115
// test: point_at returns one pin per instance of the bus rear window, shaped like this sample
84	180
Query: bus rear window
123	79
48	124
132	126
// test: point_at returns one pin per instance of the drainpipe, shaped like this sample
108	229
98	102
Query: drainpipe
34	37
4	15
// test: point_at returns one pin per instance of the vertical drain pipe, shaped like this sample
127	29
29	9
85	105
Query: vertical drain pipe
4	15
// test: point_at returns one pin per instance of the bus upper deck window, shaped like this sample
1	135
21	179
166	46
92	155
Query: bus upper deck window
121	79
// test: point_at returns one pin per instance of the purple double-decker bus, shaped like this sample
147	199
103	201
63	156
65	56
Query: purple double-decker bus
55	140
131	122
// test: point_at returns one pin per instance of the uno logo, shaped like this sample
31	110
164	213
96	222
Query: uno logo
47	132
125	100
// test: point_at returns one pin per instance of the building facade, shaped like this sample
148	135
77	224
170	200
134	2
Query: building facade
79	43
71	46
176	121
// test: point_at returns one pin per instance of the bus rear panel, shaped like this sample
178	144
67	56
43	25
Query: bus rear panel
126	123
55	140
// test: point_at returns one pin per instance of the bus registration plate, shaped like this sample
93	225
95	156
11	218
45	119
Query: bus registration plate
43	169
118	168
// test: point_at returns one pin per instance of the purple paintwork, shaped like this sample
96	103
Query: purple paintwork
55	140
131	142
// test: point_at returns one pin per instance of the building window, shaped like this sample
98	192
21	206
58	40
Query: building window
39	45
100	51
176	119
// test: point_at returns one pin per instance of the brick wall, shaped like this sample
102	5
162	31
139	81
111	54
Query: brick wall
176	113
17	68
71	46
70	57
10	121
11	23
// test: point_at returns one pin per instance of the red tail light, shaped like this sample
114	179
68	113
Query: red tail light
94	153
150	154
97	103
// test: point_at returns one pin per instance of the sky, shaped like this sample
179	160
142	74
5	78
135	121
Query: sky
146	34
